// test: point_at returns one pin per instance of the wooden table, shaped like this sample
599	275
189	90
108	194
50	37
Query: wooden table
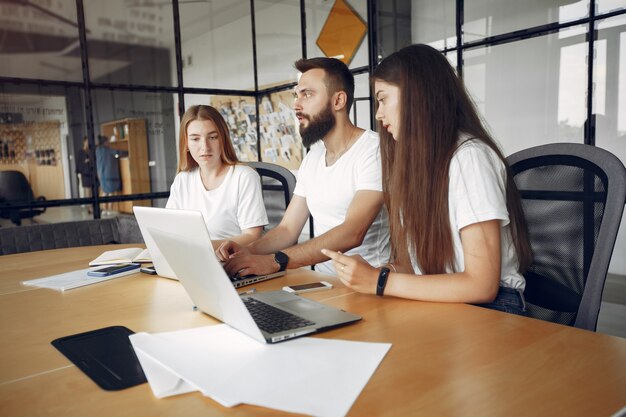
446	359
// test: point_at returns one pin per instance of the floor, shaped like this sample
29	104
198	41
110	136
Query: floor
612	318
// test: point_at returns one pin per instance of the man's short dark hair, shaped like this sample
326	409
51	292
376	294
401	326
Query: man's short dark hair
338	75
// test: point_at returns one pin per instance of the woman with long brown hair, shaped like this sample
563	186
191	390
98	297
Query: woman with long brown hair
456	223
211	180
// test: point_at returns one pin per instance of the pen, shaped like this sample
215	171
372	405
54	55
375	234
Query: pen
251	291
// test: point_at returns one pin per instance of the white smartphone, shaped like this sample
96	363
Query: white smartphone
313	286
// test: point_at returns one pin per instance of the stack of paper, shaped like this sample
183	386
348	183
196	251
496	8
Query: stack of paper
320	377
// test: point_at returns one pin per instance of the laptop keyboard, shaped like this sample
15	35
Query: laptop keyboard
271	319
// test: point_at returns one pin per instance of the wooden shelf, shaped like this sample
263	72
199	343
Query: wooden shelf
131	137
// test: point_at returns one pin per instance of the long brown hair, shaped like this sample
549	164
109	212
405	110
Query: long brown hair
435	108
203	112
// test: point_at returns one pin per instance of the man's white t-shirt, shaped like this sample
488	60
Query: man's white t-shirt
235	205
477	193
329	190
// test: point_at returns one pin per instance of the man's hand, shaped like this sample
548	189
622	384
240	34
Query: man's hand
244	263
228	249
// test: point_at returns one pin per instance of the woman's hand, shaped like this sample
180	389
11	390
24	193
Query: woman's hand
354	271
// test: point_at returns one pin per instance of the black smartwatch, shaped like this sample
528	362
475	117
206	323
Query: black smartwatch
281	259
382	281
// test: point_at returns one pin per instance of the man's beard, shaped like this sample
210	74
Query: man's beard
318	127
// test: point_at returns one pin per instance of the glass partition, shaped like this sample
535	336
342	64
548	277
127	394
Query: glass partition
360	112
484	18
43	140
40	41
530	90
549	106
610	86
433	22
394	26
278	41
605	6
130	42
136	144
216	44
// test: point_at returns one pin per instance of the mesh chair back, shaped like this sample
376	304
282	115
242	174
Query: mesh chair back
278	184
573	197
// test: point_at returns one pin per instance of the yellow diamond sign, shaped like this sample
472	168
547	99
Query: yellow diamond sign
342	33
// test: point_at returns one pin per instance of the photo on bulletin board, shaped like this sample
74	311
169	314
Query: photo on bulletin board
280	140
240	115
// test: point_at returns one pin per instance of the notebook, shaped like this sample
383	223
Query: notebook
121	256
187	223
268	317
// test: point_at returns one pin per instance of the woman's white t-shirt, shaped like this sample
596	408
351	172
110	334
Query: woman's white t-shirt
477	193
235	205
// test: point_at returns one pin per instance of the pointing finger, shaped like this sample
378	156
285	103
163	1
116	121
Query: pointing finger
335	256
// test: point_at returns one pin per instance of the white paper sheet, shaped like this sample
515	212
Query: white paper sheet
73	279
320	377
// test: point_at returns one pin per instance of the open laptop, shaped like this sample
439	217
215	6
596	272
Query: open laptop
268	317
188	223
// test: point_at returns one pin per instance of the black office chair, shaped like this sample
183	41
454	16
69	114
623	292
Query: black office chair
15	189
274	180
278	184
573	198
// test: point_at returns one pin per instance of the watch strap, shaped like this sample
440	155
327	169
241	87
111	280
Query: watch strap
382	281
281	259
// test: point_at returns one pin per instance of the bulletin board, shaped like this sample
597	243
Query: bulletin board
240	116
280	140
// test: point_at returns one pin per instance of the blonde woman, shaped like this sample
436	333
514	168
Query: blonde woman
211	180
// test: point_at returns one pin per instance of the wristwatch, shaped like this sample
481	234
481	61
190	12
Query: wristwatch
281	259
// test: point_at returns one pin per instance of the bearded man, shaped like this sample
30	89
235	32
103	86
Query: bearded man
339	183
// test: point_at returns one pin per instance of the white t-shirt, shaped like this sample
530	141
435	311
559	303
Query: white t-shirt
235	205
329	191
477	193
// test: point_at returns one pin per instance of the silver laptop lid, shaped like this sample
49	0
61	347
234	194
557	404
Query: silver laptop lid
186	223
206	282
204	279
148	217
